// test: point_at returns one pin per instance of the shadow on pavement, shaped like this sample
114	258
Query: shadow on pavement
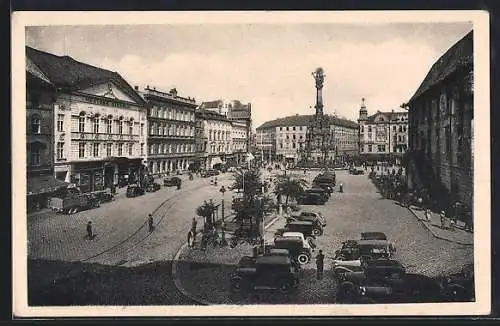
57	283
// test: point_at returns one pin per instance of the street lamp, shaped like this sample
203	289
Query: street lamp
222	191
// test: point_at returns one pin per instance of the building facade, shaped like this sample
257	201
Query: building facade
239	139
284	139
216	142
383	134
99	124
171	131
441	117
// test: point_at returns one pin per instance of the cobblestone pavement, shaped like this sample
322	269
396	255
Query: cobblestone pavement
360	208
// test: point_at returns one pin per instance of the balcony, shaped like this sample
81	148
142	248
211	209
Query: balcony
103	137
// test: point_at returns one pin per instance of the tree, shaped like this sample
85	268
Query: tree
290	187
207	212
249	181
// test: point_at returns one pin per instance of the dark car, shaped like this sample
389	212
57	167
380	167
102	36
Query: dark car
104	196
325	186
298	248
320	191
386	281
209	173
269	272
356	171
153	187
326	177
134	191
171	182
316	217
459	287
307	228
310	199
364	249
373	236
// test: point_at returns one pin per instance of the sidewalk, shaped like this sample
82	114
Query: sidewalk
204	276
434	226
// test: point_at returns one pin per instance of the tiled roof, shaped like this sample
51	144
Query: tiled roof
209	114
303	120
458	56
68	74
211	104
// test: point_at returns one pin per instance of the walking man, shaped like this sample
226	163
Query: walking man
150	222
428	215
320	258
90	234
443	219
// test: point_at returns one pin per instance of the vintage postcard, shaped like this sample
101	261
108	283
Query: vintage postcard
251	163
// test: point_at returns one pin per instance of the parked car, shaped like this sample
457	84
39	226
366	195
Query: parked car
307	228
325	186
103	196
380	236
356	171
320	191
209	173
269	272
73	203
310	199
329	178
171	182
366	249
153	187
459	287
386	281
311	216
298	247
134	191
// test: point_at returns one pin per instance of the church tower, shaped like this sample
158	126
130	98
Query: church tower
363	113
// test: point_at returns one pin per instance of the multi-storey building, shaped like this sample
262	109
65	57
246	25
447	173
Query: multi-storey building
382	134
239	139
441	120
216	145
40	96
99	123
284	139
171	131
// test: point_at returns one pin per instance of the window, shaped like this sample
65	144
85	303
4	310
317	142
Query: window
96	125
130	149
393	128
369	148
281	145
60	150
131	127
281	128
120	149
81	150
142	128
362	129
81	124
293	145
293	128
35	125
109	123
293	136
142	149
120	127
287	137
447	135
369	128
35	156
287	129
108	149
60	122
96	149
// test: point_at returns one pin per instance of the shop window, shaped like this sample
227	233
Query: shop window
36	125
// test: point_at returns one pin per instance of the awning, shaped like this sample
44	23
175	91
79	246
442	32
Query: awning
44	184
216	160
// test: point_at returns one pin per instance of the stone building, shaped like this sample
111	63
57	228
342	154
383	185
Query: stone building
171	131
284	139
239	140
383	135
441	120
99	123
40	96
216	143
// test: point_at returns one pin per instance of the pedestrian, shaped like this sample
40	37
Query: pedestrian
442	216
150	222
90	234
428	217
320	259
194	224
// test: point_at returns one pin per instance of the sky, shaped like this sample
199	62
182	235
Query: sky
267	65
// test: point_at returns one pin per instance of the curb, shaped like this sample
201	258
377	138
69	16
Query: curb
434	233
177	282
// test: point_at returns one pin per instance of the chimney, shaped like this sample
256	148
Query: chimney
136	88
173	91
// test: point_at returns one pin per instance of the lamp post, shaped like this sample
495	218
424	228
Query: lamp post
222	191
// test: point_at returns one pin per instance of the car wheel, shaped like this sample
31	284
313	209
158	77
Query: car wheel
284	287
303	258
316	232
346	291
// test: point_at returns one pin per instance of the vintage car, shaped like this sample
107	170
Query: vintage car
298	247
103	196
386	281
325	186
459	287
134	191
373	236
307	228
74	203
320	191
310	199
209	173
306	215
356	171
326	177
171	182
268	272
153	187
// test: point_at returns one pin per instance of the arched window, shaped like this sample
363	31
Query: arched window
120	125
36	124
109	124
81	122
96	123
